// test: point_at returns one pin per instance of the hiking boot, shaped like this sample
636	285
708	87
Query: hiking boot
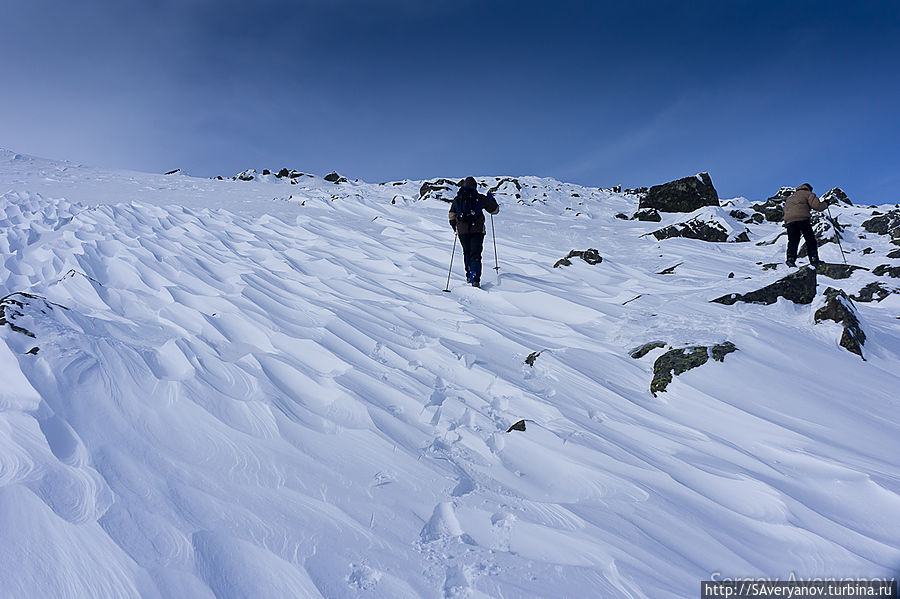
791	263
476	284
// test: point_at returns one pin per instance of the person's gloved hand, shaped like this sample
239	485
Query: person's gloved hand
491	195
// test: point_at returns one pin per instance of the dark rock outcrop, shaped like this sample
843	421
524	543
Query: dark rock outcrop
441	189
670	270
622	216
590	255
884	224
839	308
698	229
836	196
873	291
887	269
894	254
837	271
247	175
174	172
518	426
683	195
647	215
677	361
798	287
772	209
334	177
720	350
738	215
16	309
755	219
783	194
505	180
639	352
290	174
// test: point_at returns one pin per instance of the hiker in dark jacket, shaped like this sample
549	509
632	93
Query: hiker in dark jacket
796	218
467	219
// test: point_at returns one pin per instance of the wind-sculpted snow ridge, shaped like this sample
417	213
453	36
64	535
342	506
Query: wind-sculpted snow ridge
277	400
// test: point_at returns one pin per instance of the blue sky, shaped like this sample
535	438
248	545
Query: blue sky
759	94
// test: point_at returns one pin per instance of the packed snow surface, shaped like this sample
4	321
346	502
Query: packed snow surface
258	389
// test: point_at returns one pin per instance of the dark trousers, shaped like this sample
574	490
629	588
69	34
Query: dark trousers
794	231
472	245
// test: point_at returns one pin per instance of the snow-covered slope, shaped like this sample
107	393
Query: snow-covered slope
258	389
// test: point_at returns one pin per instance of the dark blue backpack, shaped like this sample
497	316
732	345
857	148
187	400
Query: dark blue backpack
468	205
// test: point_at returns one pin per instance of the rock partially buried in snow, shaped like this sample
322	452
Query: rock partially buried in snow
21	307
798	287
839	308
874	291
836	195
518	426
702	230
837	271
772	209
682	195
884	224
887	269
647	215
677	361
645	349
590	255
439	189
334	177
782	194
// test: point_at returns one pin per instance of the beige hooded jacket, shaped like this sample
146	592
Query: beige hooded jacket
797	207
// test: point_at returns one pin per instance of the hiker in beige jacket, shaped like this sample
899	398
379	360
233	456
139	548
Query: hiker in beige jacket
797	214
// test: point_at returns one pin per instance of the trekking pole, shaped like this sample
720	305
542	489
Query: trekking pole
494	239
452	253
837	235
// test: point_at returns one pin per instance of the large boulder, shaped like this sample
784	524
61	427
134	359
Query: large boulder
683	195
335	177
798	287
839	308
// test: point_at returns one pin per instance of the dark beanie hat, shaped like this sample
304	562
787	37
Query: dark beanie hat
806	185
470	182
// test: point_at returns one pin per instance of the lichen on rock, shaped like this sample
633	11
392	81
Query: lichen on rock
680	360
